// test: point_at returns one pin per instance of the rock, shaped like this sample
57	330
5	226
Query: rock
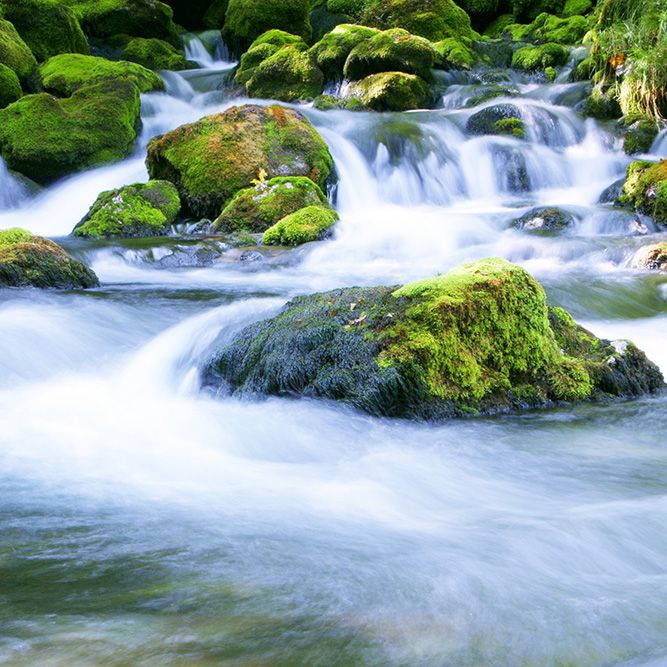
602	104
544	219
353	8
45	138
66	73
265	46
391	91
332	50
214	18
510	164
331	102
645	189
479	339
393	50
245	20
312	223
573	7
640	132
452	53
480	11
551	29
48	27
611	193
142	209
535	58
10	86
33	261
155	54
14	52
212	159
652	257
257	208
493	120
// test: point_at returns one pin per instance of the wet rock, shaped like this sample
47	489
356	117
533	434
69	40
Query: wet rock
391	91
544	219
495	119
511	170
640	133
652	257
312	223
645	189
331	52
14	52
611	193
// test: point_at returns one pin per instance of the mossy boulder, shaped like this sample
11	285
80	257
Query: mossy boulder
66	73
45	138
453	53
479	339
497	119
391	91
27	260
10	86
212	159
640	132
577	7
142	209
526	11
332	50
245	20
535	58
323	21
48	27
645	189
652	257
214	18
14	52
353	8
602	104
155	54
434	19
312	223
331	102
394	50
265	46
544	219
257	208
552	29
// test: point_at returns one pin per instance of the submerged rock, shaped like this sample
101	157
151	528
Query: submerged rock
652	257
640	132
33	261
212	159
479	339
544	219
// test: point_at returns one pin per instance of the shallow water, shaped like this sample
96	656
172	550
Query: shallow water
145	522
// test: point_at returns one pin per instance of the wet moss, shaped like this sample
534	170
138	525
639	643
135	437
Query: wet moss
535	58
577	7
391	91
155	54
142	209
640	132
311	223
14	52
332	50
514	127
452	53
552	29
266	45
645	189
495	119
602	104
10	86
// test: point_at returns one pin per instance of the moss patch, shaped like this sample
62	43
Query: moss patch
311	223
645	189
10	86
14	52
332	50
391	91
534	58
155	54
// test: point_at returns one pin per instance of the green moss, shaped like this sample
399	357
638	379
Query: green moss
331	102
480	11
47	26
577	7
394	50
155	54
354	8
10	86
68	72
46	138
245	20
142	209
495	119
311	223
498	27
534	58
640	132
14	52
602	104
645	189
257	208
452	53
513	127
33	261
528	10
548	28
210	160
391	91
332	50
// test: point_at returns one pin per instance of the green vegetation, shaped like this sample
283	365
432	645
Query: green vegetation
640	132
10	86
391	91
155	54
142	209
332	50
265	46
452	53
497	119
14	52
645	189
311	223
535	58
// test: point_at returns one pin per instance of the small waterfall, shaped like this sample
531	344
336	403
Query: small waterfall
207	49
13	191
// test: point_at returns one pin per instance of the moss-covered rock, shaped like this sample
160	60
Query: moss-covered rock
33	261
245	20
45	138
47	26
394	50
155	54
640	132
332	50
353	8
142	209
528	10
323	21
66	73
478	339
452	53
535	58
577	7
497	119
10	86
210	160
214	18
552	29
312	223
331	102
544	219
434	19
14	52
257	208
602	104
652	257
391	91
265	46
645	189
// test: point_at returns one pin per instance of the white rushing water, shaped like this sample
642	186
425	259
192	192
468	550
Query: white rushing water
145	522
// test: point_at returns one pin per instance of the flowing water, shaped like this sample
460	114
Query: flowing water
145	522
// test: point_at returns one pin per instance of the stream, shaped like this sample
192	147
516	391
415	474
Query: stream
145	522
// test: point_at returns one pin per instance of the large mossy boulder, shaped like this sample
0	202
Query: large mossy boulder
265	46
14	52
155	54
48	27
391	91
536	58
312	223
10	86
45	138
142	209
66	73
332	50
245	20
645	189
33	261
479	339
257	208
212	159
394	50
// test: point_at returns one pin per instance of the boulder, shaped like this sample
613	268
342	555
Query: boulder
494	120
453	54
536	58
139	210
265	46
652	257
544	219
155	54
332	50
640	132
33	261
391	91
10	86
212	159
14	52
645	189
479	339
312	223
